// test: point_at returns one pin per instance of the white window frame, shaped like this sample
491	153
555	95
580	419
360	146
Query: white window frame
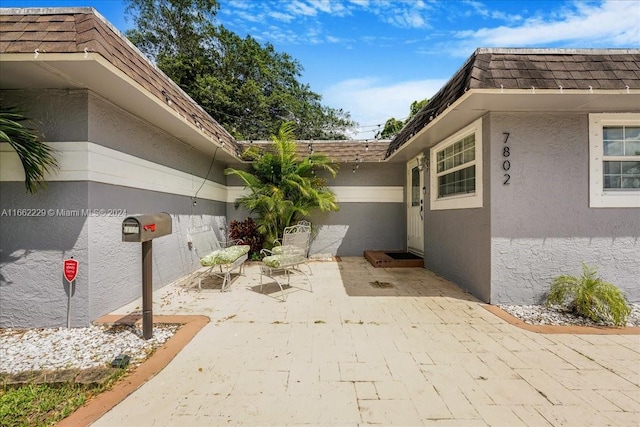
598	196
459	201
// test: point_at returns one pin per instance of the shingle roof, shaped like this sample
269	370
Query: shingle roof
346	151
75	30
530	68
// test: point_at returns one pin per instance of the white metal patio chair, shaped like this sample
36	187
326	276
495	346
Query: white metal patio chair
287	257
225	256
277	248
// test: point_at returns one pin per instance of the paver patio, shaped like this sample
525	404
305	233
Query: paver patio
413	350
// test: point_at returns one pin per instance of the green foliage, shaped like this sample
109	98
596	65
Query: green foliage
250	89
283	187
36	157
393	126
589	296
39	405
167	28
45	404
247	232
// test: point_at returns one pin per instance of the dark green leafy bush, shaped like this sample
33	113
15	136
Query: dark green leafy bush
591	297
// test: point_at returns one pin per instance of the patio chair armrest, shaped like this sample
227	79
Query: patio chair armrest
232	242
266	252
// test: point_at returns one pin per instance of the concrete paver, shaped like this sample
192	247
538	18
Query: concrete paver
422	352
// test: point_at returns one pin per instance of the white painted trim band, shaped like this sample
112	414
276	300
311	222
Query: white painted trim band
346	194
86	161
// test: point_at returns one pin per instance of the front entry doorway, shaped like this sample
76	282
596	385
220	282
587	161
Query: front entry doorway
415	205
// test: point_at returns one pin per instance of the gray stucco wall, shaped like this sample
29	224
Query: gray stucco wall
32	288
114	128
357	226
116	274
60	115
541	223
457	242
33	291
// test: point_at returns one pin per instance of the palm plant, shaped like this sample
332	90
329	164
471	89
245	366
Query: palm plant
283	187
589	296
36	157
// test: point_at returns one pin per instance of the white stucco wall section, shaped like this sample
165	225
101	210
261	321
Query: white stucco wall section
85	161
365	194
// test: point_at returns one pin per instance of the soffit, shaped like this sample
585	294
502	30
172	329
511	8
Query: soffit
476	103
92	72
74	48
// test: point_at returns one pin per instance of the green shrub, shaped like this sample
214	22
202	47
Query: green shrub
589	296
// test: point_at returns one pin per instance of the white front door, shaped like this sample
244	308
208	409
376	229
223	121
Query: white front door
415	206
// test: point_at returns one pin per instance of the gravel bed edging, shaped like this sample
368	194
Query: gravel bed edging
565	324
102	403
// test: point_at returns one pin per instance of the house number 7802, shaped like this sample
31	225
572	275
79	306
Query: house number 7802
506	164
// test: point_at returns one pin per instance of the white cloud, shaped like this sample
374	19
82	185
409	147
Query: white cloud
279	16
275	34
301	8
611	23
372	102
240	4
402	14
329	6
483	11
408	18
249	17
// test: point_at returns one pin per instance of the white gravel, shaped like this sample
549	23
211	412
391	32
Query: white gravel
62	348
541	315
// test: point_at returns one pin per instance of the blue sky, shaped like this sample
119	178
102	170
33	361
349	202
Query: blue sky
374	57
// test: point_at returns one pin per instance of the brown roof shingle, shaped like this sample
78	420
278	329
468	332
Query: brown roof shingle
527	68
346	151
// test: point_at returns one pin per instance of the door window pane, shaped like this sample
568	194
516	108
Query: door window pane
415	187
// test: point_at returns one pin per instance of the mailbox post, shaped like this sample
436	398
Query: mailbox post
143	229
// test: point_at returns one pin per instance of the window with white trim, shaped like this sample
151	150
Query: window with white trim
614	160
456	170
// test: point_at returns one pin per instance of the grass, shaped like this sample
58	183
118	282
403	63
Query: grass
40	405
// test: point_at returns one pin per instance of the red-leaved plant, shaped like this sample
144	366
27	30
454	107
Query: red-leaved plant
247	232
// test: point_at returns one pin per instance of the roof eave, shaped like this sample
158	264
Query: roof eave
93	72
475	103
